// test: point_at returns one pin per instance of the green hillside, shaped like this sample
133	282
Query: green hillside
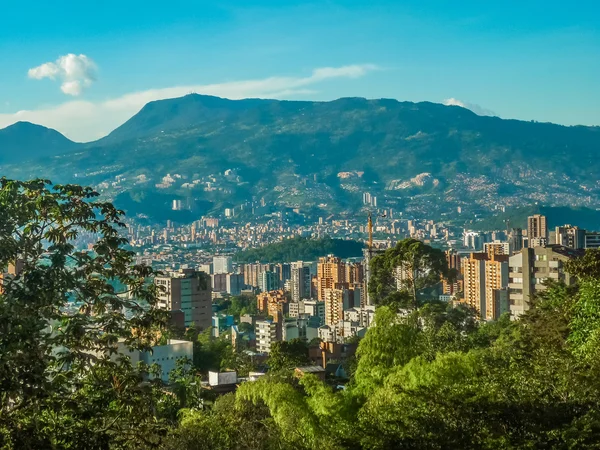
301	249
323	155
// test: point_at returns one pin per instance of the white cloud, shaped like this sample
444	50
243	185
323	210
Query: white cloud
86	121
75	72
472	106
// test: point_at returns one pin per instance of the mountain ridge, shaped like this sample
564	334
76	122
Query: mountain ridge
33	140
321	156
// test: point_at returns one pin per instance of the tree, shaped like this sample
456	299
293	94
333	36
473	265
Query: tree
210	353
61	316
420	267
288	355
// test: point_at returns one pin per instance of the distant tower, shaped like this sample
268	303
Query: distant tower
536	227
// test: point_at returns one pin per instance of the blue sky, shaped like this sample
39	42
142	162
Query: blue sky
526	60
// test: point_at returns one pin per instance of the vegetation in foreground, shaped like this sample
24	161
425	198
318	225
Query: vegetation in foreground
435	378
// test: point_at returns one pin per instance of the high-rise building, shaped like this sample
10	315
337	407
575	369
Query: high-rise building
473	240
219	282
315	308
285	272
188	292
496	283
330	271
474	281
536	227
453	261
268	281
253	272
336	301
234	283
569	236
300	281
592	239
266	335
516	239
529	269
496	248
355	273
483	277
222	264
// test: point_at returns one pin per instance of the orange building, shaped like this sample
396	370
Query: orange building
330	271
273	303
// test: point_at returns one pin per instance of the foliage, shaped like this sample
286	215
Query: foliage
286	355
301	249
61	383
230	423
421	267
237	306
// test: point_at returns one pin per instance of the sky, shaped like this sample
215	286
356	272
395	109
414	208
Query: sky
84	68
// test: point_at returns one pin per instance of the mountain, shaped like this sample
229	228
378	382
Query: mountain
180	113
23	141
425	159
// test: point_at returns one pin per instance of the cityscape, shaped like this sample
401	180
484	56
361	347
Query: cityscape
325	225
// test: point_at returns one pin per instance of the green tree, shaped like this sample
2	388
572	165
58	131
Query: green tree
288	355
61	317
421	267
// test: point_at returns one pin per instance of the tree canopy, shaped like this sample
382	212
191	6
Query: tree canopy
301	249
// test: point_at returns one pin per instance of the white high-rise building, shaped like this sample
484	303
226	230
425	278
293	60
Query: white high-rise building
222	264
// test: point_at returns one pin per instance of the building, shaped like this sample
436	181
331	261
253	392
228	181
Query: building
453	260
222	264
305	328
187	291
315	308
330	271
473	240
496	248
266	335
569	236
295	309
300	281
536	227
474	280
516	239
234	283
592	239
537	242
268	281
529	269
336	302
272	303
13	270
166	356
483	276
219	282
221	323
355	273
317	371
285	272
364	317
496	283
